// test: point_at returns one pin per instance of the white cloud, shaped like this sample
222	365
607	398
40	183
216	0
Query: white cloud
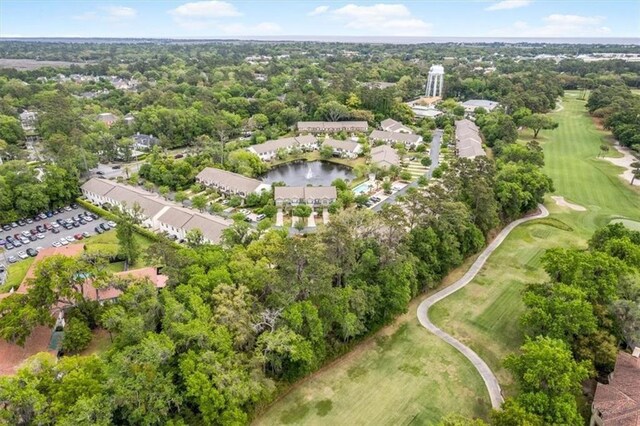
382	19
509	4
206	10
108	13
557	26
319	10
120	12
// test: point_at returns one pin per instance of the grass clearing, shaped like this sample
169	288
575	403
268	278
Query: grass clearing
108	243
16	274
484	315
401	375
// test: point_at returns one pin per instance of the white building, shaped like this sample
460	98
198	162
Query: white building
332	126
471	105
409	140
314	196
267	151
156	213
348	149
468	140
28	120
391	125
231	183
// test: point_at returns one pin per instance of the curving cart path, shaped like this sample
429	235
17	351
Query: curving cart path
489	378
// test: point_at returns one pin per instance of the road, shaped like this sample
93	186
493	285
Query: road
434	153
489	378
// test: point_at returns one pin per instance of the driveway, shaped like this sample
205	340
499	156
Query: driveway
49	237
489	378
434	153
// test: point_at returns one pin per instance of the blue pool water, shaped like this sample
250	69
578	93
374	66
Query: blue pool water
362	188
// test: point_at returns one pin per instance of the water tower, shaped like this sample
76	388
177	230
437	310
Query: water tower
435	81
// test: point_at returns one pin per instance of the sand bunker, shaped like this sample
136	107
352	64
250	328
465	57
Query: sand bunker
564	203
624	161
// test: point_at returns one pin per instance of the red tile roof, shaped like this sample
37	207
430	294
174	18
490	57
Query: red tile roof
619	401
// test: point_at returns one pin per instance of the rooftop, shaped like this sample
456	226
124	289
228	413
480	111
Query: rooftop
385	155
232	180
619	401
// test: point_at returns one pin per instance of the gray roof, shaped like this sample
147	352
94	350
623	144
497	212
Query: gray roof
333	126
384	155
106	117
468	140
305	192
391	125
234	181
480	103
211	226
395	137
350	146
283	143
97	186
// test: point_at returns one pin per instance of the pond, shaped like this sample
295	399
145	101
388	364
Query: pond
303	173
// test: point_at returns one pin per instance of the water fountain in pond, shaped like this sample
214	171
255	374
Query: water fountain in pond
309	174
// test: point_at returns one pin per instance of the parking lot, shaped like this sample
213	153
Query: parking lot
48	238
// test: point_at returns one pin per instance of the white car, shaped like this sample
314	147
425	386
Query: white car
88	218
70	239
64	241
56	244
55	224
22	255
40	236
111	224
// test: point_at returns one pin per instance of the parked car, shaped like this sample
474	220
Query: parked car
29	221
33	231
55	230
3	242
22	255
100	173
2	268
111	224
70	239
17	244
76	224
85	234
20	223
48	227
8	246
32	252
74	206
41	229
78	237
98	230
6	227
40	236
64	241
12	259
105	226
116	167
33	237
56	244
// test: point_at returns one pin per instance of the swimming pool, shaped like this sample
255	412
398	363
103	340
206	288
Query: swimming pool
362	188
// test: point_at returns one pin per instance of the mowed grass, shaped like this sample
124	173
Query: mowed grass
403	375
485	314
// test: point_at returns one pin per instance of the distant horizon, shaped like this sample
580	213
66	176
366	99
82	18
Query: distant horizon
350	39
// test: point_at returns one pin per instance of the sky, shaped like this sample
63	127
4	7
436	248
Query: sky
282	18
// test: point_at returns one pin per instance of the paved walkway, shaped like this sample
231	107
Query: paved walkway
489	378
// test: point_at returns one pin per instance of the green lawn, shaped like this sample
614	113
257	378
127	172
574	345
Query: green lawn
485	313
403	375
108	243
375	384
16	272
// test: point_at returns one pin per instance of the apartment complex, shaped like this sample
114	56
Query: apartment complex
230	183
348	149
332	126
314	196
408	139
155	212
268	150
468	140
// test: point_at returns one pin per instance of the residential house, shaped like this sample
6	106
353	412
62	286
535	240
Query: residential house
107	118
144	142
468	140
348	149
471	105
268	150
391	125
314	196
230	183
408	139
28	120
156	213
384	156
618	402
332	126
